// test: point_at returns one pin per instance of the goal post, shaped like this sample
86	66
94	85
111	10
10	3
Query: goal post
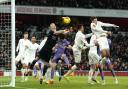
7	43
13	43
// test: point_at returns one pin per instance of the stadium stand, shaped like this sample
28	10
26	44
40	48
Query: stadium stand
119	48
99	4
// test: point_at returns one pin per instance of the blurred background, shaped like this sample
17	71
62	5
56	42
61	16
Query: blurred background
35	16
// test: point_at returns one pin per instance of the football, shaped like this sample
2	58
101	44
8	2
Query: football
66	20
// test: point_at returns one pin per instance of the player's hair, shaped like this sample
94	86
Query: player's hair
51	24
33	36
25	32
79	26
92	18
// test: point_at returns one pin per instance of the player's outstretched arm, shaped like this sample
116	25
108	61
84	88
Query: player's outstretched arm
65	31
59	32
88	35
108	24
86	43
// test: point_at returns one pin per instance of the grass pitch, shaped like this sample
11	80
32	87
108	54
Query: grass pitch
79	82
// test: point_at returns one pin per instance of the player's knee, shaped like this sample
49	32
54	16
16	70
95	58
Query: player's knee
37	66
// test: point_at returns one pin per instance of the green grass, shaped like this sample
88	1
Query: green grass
75	83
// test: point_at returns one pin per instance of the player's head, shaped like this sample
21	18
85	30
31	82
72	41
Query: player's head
94	19
33	39
25	35
80	27
53	27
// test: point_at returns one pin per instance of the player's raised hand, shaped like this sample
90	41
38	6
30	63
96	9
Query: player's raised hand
66	31
116	26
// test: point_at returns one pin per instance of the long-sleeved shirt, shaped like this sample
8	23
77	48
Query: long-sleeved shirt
80	41
21	47
92	41
98	30
31	50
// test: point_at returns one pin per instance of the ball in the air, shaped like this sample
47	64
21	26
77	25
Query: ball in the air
66	20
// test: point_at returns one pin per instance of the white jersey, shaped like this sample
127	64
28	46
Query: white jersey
94	48
98	30
80	41
92	55
21	47
30	53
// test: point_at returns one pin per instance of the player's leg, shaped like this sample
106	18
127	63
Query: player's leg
45	55
94	78
65	59
104	56
26	66
109	65
37	68
102	73
20	58
32	67
31	63
39	65
99	69
95	61
92	68
77	57
24	72
104	46
90	74
48	76
31	70
35	72
53	67
59	67
24	69
53	63
101	62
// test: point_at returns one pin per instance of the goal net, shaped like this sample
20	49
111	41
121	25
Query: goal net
7	43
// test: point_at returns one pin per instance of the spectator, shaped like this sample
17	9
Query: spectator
103	4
